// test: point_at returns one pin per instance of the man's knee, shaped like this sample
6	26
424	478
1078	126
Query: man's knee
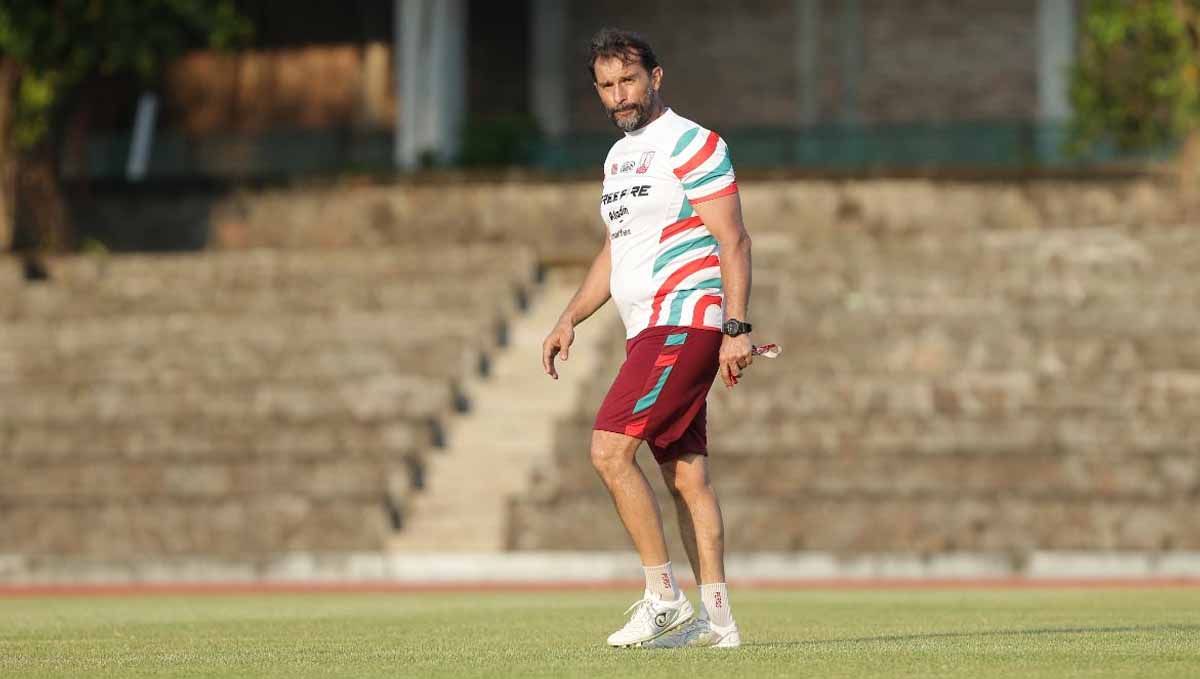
611	451
687	479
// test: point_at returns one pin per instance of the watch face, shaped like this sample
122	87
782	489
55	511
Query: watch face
732	327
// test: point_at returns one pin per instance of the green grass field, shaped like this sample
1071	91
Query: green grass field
883	633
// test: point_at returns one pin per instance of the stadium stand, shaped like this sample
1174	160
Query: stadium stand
507	438
966	367
941	391
236	404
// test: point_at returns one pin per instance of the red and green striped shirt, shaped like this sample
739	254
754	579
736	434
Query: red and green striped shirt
666	266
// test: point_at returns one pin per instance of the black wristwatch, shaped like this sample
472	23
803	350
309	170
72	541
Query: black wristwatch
733	327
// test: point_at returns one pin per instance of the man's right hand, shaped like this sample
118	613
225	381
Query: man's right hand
557	342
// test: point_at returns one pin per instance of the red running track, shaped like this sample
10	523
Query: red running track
383	587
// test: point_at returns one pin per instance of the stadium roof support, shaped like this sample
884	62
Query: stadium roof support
851	40
431	71
808	30
1056	52
548	94
1055	56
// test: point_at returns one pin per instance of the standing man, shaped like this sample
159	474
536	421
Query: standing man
677	263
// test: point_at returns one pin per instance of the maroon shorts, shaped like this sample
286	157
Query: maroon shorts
660	392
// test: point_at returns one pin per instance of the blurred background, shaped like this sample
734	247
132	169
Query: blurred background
274	279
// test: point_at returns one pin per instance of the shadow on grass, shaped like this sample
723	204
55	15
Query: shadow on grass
983	633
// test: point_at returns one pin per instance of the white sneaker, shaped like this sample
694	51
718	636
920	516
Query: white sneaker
652	618
700	633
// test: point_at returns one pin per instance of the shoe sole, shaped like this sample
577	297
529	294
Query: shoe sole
723	642
675	625
731	640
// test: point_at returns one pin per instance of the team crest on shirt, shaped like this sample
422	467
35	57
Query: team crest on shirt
614	169
644	164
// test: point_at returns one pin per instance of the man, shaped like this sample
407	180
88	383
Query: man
677	264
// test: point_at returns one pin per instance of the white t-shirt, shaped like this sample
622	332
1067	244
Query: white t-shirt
666	266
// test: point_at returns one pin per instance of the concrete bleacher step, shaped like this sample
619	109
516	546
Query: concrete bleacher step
998	394
420	295
373	399
848	524
1008	395
1091	245
259	268
892	321
1106	476
432	357
421	357
495	449
170	352
1081	432
194	438
279	330
264	523
899	474
935	352
448	529
72	483
738	437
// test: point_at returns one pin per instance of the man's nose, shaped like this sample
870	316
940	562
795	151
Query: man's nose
622	94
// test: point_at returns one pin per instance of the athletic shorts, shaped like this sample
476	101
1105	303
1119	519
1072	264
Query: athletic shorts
660	393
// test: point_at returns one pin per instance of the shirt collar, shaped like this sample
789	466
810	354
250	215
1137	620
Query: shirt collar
656	122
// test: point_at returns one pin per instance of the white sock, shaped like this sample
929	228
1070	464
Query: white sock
660	581
716	603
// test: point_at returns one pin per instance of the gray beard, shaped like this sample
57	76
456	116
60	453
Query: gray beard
641	115
631	123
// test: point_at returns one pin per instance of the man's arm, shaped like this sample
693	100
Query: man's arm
723	217
592	294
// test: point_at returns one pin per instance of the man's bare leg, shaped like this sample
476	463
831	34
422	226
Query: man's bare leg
613	459
663	608
700	522
687	531
703	533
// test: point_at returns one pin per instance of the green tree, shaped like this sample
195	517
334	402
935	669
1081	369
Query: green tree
49	47
1136	84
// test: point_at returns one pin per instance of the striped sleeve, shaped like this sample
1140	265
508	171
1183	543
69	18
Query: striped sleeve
701	162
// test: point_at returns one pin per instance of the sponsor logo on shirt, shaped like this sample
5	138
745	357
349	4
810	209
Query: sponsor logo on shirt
644	164
640	166
633	191
614	215
620	232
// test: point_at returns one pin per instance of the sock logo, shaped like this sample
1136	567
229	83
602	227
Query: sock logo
717	600
666	582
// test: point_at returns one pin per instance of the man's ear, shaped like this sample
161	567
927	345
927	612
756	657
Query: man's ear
656	77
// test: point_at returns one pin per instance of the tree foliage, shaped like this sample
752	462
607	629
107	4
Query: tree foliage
1137	80
56	44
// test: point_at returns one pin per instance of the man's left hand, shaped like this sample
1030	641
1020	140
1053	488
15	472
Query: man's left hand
735	357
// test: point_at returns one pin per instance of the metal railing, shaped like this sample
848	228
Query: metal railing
281	154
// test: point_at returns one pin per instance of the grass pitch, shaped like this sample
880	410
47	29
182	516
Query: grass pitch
879	633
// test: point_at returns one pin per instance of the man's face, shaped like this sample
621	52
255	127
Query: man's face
629	94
